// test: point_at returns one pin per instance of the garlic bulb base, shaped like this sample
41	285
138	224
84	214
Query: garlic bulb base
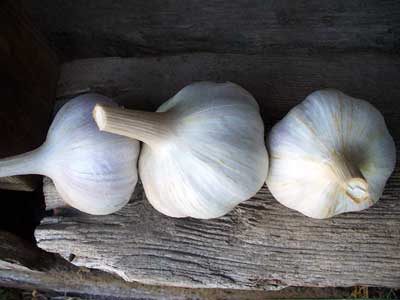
350	179
357	190
140	125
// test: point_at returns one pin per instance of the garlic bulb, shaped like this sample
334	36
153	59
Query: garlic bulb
329	155
93	171
204	149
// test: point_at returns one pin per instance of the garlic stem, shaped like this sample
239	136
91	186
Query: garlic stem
357	190
352	181
23	164
148	127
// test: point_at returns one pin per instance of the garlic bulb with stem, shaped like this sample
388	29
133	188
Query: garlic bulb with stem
203	151
329	155
95	172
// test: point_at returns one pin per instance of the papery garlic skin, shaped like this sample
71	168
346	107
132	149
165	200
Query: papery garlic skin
222	159
100	173
95	172
209	154
329	155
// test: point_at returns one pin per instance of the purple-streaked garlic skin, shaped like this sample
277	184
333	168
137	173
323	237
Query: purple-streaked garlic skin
93	171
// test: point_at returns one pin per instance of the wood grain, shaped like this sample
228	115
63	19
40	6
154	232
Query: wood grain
95	28
24	266
28	78
278	81
261	244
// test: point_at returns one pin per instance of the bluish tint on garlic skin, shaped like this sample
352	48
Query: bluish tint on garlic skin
95	172
203	151
329	155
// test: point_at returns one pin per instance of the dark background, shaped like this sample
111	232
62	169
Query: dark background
95	28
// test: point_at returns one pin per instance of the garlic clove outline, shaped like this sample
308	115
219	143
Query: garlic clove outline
203	152
95	172
329	155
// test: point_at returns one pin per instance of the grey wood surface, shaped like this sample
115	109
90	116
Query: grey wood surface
278	81
261	244
24	266
82	28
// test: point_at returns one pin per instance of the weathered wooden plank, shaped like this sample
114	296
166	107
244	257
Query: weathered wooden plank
261	244
127	28
23	265
99	285
290	294
28	78
277	81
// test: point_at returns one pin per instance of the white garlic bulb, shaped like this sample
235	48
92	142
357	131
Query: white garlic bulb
95	172
204	149
329	155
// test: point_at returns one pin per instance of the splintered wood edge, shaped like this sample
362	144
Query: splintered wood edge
137	226
22	265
